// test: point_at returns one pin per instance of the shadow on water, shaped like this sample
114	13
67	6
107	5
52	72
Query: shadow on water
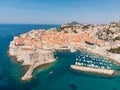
114	89
73	86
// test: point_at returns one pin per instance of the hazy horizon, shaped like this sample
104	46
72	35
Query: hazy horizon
59	11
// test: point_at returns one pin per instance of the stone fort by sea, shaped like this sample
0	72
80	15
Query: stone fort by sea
57	76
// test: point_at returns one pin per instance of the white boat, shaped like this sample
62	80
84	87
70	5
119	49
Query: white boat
102	67
76	59
84	60
79	59
108	67
83	57
79	63
76	63
51	72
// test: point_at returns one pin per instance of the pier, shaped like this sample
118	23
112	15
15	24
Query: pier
40	45
93	70
28	74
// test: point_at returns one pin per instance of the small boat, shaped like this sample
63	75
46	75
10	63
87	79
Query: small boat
79	59
79	63
86	55
76	59
84	60
51	72
76	63
93	59
108	67
102	67
83	57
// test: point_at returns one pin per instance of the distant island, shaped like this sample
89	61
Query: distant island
37	47
70	24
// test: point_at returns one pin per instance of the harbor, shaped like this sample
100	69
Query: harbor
60	45
39	46
44	78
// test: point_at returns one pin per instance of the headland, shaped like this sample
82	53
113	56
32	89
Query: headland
37	47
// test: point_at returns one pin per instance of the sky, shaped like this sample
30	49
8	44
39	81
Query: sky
59	11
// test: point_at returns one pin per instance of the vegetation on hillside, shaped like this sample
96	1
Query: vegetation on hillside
117	38
114	50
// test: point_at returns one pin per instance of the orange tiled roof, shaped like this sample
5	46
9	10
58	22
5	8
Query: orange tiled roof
26	48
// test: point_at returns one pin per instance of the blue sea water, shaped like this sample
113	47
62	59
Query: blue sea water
57	76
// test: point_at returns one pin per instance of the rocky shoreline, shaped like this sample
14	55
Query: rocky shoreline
37	47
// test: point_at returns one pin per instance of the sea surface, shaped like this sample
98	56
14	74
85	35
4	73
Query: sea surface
57	76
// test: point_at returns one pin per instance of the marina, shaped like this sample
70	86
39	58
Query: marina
39	46
59	45
90	63
42	79
89	60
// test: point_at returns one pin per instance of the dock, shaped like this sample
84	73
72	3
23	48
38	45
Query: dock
28	75
106	72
